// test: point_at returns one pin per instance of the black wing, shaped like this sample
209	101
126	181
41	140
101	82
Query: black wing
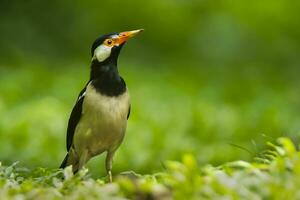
74	118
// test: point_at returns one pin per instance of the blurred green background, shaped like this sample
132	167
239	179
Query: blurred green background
214	78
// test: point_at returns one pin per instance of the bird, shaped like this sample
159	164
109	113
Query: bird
98	120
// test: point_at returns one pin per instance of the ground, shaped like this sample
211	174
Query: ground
273	175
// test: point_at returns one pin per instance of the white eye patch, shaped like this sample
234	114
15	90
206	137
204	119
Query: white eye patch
102	52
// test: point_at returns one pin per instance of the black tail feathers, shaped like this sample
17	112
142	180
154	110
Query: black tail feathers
64	162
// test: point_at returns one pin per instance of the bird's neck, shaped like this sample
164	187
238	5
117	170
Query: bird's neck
106	79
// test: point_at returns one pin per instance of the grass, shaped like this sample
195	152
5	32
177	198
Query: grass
273	175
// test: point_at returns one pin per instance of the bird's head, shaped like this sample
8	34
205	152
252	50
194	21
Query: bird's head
107	47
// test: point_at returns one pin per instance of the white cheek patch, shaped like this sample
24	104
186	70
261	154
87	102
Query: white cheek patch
101	53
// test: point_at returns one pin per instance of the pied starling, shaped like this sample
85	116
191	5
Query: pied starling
99	118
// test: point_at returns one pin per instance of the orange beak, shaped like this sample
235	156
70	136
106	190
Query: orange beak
124	36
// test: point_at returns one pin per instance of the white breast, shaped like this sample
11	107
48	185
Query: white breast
103	122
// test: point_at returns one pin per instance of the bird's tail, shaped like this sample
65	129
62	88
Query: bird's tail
70	159
64	162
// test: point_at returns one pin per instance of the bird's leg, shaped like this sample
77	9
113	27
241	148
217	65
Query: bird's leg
73	160
108	162
83	159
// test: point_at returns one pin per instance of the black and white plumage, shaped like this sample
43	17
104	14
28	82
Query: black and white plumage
99	118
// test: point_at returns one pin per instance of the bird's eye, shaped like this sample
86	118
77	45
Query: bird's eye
109	42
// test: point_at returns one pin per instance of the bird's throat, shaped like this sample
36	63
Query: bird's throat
106	79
